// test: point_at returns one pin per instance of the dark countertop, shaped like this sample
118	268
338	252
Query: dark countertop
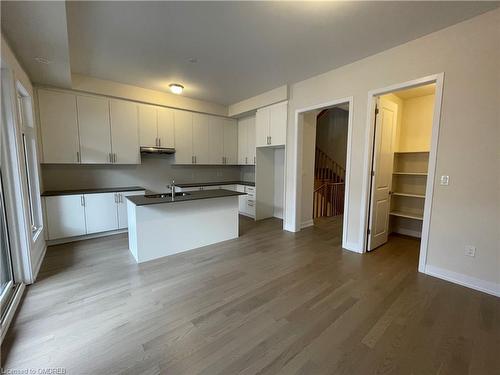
50	193
197	184
142	200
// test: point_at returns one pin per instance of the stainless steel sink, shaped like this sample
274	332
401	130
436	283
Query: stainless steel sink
166	195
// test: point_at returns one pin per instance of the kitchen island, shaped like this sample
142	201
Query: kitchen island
159	225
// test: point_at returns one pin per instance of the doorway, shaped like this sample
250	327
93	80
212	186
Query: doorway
325	164
403	153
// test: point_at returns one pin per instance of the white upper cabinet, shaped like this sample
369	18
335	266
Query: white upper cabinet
277	124
59	127
124	132
246	141
156	126
262	127
94	130
200	139
101	212
65	216
230	141
183	121
148	125
166	127
271	125
216	140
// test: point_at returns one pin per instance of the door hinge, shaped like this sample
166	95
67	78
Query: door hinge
373	173
368	231
376	110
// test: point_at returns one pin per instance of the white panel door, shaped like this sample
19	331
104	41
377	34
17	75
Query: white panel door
124	132
277	124
243	142
101	212
216	140
262	127
166	136
148	132
200	139
122	207
94	130
65	216
183	122
59	127
383	156
251	140
230	141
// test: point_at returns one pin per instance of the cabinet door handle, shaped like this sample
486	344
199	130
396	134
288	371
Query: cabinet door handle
116	198
120	198
78	156
114	158
82	200
159	142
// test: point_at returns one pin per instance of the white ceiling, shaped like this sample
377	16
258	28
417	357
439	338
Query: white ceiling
242	48
38	29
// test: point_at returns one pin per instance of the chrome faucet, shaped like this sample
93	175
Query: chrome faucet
172	189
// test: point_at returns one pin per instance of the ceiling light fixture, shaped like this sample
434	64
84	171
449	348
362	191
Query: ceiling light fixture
42	60
176	88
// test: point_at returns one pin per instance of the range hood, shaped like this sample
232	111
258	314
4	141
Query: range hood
157	150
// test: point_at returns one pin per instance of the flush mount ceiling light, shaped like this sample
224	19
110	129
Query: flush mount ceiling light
42	60
176	88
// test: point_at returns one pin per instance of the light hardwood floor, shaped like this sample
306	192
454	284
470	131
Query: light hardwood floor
269	302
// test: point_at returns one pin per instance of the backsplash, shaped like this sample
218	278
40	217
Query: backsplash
155	172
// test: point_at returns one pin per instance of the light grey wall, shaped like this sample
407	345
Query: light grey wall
154	173
331	134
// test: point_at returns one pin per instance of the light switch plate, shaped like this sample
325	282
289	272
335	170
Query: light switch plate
445	180
470	251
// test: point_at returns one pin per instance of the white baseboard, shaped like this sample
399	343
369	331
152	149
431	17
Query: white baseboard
85	237
307	223
464	280
11	311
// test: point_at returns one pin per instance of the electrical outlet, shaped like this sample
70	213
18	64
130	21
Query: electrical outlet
445	180
470	251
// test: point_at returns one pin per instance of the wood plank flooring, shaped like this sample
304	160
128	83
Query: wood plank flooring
269	302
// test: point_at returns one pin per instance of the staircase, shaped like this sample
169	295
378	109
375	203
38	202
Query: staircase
329	186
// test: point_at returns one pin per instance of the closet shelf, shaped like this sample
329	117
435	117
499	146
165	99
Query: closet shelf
409	173
407	215
409	195
412	152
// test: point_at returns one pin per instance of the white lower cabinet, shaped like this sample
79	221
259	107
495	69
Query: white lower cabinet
122	207
77	215
65	216
101	212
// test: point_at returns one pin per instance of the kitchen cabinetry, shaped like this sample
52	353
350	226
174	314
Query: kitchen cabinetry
59	127
94	131
270	124
216	140
183	121
230	136
101	212
124	132
200	139
77	215
65	216
87	129
156	126
246	141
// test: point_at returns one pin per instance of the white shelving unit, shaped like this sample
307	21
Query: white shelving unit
408	196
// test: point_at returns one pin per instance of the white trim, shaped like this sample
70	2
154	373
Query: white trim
85	237
438	79
464	280
307	224
296	226
9	314
38	264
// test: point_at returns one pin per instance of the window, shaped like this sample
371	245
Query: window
29	149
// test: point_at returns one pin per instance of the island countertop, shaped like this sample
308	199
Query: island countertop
143	200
